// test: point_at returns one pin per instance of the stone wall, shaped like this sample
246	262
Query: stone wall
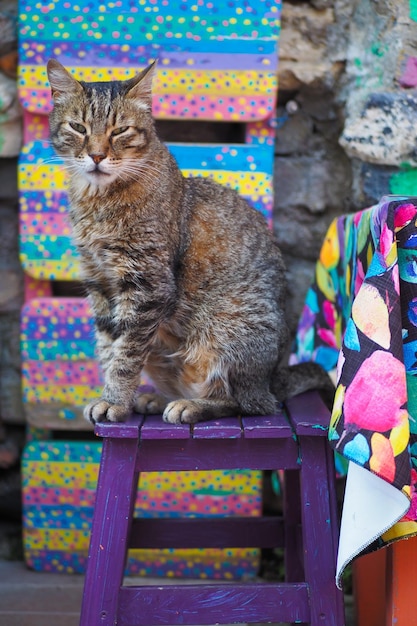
346	122
11	276
313	175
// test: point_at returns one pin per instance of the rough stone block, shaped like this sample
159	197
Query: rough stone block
11	409
300	274
11	284
8	179
304	46
294	131
386	131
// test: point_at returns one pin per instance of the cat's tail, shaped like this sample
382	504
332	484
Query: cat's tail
291	380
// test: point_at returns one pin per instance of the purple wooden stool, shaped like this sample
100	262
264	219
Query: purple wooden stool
308	530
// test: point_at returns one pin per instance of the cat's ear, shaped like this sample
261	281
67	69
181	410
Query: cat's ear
140	87
60	80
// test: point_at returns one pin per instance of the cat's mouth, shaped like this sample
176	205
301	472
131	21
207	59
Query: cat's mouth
97	172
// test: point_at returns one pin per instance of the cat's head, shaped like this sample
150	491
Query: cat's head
103	130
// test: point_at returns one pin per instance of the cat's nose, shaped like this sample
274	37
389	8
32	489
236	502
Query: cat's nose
97	157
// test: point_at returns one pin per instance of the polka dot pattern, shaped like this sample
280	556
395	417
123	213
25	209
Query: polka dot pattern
59	481
204	49
47	249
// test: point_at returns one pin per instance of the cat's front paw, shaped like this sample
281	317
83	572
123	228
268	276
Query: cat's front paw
183	412
149	404
103	411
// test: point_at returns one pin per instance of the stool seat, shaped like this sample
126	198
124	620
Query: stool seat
295	441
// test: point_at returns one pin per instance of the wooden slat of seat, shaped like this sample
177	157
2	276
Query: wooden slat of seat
160	451
224	428
266	426
154	427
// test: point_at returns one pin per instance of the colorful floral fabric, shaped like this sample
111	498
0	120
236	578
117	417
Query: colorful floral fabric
360	319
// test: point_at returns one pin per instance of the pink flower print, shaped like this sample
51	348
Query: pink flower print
360	276
412	511
388	246
375	398
403	215
329	313
328	337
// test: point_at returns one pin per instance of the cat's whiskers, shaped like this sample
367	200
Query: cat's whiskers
137	175
145	170
138	172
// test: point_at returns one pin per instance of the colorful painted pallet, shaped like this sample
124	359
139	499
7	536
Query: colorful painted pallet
59	369
59	482
216	61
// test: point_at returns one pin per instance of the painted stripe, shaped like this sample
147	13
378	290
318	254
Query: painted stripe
257	54
61	350
43	177
50	224
253	55
149	504
233	157
66	457
189	105
31	221
220	7
62	452
64	307
45	512
51	327
51	270
96	27
178	81
234	563
35	177
84	372
56	539
36	497
48	247
43	202
76	395
60	474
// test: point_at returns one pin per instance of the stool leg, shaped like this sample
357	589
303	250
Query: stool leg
115	499
319	521
292	522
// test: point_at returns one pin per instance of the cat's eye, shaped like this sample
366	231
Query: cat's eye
120	130
79	128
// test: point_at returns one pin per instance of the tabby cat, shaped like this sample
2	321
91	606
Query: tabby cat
185	279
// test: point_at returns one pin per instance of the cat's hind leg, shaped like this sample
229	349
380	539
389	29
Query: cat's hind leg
213	390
